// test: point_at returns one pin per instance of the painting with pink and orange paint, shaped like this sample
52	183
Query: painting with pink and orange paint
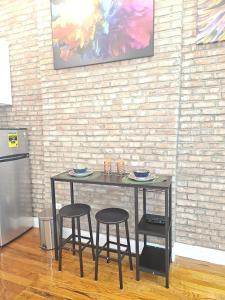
97	31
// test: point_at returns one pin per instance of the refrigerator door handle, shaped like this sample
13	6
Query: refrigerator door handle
13	157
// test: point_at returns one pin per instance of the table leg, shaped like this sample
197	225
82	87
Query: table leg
136	233
71	193
54	219
144	212
73	220
170	219
167	238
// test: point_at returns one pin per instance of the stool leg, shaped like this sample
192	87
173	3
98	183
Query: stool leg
119	255
107	233
74	235
80	247
91	236
60	242
128	245
96	253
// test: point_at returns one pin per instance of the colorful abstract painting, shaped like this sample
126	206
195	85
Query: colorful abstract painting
96	31
211	21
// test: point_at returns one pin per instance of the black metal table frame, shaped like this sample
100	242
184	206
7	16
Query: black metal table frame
168	217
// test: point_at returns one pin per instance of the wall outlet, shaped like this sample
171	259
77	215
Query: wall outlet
58	205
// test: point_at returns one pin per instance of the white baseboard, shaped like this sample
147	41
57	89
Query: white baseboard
179	249
200	253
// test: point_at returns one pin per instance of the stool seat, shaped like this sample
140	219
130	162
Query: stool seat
74	210
112	216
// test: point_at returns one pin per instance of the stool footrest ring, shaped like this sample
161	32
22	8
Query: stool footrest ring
69	240
103	248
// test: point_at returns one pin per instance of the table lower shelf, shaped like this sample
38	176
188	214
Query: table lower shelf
152	260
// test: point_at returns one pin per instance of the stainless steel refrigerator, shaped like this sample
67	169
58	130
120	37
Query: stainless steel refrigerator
15	185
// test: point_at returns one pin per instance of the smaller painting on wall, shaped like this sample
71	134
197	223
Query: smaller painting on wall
211	21
87	32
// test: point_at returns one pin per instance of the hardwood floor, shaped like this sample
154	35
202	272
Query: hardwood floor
27	272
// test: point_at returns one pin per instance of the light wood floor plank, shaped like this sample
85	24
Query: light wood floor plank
29	273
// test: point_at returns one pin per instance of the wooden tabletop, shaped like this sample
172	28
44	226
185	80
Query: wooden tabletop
98	177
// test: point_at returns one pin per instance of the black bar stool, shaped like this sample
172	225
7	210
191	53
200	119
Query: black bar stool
113	216
75	211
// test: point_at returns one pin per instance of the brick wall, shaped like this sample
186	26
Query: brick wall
124	110
140	110
3	117
200	206
18	26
